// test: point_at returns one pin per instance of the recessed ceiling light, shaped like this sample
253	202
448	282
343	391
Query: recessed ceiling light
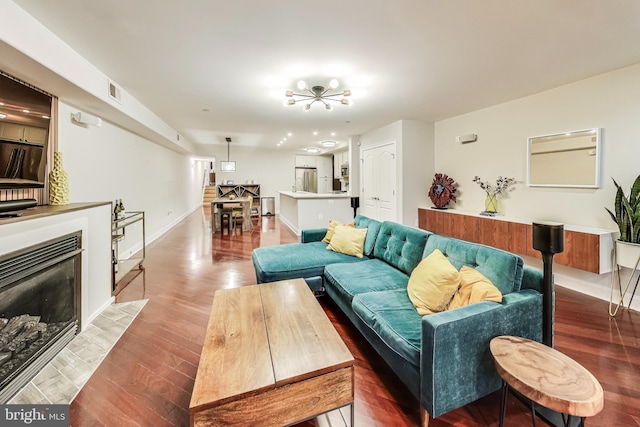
315	132
333	134
289	134
328	143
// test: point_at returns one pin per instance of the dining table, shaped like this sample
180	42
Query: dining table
220	203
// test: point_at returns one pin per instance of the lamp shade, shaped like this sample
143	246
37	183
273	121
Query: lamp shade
228	166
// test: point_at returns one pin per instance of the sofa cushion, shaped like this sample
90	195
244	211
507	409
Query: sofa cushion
348	240
393	319
332	229
294	260
373	227
400	246
474	287
370	275
502	268
433	283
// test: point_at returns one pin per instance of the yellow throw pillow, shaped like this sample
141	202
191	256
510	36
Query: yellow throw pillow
332	228
433	283
474	287
348	240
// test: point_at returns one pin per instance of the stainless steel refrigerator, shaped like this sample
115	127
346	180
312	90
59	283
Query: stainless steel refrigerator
307	179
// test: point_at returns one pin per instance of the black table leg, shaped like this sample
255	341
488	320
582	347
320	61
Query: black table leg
503	402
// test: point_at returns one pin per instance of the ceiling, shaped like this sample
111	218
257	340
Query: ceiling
214	69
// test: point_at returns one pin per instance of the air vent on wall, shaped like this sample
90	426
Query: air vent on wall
115	92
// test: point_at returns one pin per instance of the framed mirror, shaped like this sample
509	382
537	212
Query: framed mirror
570	159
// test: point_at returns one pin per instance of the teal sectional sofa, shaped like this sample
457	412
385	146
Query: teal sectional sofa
442	358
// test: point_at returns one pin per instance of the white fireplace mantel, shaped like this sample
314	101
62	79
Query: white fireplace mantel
43	223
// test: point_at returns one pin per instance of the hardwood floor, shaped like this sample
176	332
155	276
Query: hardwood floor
147	378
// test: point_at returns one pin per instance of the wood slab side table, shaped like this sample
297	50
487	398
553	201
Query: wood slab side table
546	377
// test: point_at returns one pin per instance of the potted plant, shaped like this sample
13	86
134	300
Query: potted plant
627	215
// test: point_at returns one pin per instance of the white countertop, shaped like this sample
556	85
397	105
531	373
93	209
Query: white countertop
308	195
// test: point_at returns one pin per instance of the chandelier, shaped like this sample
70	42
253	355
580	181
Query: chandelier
318	94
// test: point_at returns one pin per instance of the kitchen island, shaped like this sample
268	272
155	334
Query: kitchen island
301	209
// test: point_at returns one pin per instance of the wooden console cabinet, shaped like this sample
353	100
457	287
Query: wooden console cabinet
584	249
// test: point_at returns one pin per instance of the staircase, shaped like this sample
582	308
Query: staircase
209	194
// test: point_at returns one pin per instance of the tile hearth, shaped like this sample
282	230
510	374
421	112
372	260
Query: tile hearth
64	376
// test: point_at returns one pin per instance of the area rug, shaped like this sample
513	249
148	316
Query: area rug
64	376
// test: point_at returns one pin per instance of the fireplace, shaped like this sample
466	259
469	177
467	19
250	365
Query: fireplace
39	308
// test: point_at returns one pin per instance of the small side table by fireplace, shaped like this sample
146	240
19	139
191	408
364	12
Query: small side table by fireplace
546	377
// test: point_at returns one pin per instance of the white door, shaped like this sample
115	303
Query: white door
324	185
379	182
368	205
324	167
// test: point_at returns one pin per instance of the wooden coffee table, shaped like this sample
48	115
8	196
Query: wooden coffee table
270	357
546	377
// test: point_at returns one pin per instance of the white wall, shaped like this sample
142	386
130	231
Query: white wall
108	162
610	101
274	170
30	51
417	170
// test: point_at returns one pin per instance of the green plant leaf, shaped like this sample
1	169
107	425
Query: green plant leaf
627	212
634	197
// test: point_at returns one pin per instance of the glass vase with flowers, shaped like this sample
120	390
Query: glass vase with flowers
501	186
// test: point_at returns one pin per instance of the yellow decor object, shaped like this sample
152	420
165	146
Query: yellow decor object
58	182
331	229
491	203
433	283
348	240
474	287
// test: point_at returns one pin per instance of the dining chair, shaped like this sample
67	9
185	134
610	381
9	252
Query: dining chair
237	215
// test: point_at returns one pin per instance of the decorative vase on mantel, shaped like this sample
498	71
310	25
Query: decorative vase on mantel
58	182
491	203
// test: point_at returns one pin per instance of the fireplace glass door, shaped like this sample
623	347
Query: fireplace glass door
39	305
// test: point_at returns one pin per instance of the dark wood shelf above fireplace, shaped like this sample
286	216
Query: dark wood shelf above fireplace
47	210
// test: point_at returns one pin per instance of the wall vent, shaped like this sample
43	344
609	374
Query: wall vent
115	92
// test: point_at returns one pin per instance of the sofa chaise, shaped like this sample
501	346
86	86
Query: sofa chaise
442	358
